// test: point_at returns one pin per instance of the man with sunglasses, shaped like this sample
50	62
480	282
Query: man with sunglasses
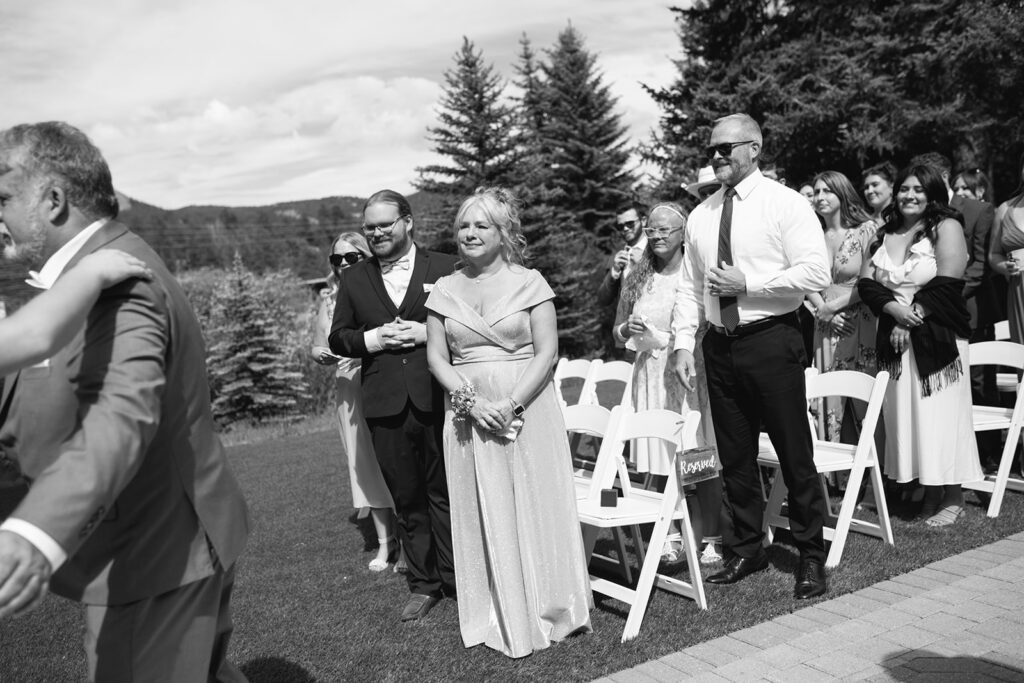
753	249
630	223
380	317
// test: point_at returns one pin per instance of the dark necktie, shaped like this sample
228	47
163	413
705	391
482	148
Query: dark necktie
727	304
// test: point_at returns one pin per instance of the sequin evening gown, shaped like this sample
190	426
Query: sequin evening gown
519	561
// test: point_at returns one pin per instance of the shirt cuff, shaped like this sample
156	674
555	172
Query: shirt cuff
43	542
371	338
756	284
686	342
616	276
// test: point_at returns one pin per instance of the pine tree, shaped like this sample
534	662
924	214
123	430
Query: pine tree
476	131
572	179
583	140
252	376
840	84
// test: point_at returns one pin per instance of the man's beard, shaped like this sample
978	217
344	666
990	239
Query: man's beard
389	250
29	253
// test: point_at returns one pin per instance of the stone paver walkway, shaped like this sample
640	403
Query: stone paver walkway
958	619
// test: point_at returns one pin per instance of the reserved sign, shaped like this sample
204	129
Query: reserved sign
696	464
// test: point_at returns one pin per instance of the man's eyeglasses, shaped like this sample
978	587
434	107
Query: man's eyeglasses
725	149
653	233
385	228
351	258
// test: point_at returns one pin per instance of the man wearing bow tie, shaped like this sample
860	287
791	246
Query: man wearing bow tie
380	318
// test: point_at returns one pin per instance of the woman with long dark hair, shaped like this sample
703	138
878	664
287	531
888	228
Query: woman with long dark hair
845	328
913	283
973	184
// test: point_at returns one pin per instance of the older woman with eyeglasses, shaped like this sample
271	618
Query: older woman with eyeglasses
368	488
649	295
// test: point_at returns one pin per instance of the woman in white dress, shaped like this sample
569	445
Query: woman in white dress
912	282
368	488
649	295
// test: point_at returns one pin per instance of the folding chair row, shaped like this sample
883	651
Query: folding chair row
637	506
860	460
990	418
594	374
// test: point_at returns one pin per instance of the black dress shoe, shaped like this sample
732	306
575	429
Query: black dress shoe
418	606
738	568
810	580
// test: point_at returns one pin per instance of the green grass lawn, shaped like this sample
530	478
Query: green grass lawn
307	609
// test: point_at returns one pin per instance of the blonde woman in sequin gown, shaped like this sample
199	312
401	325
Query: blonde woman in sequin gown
519	559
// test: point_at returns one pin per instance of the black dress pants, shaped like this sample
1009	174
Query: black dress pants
755	378
409	451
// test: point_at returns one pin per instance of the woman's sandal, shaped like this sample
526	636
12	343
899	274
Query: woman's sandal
379	564
946	516
672	551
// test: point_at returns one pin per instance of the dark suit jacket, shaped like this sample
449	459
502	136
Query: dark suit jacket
390	378
116	434
978	290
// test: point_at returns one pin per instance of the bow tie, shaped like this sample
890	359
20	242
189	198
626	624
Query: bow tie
388	266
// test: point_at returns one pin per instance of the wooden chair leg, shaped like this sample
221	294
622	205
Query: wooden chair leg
1003	474
692	560
842	528
881	505
627	569
645	584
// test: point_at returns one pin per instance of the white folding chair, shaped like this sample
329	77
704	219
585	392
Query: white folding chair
830	456
637	506
988	418
578	369
604	381
1006	382
593	421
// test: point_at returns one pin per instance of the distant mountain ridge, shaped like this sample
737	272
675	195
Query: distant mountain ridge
294	235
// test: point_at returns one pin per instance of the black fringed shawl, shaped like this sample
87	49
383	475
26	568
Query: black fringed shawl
934	342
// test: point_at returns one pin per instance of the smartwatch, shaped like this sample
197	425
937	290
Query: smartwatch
517	408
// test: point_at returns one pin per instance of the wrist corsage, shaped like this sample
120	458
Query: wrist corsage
463	400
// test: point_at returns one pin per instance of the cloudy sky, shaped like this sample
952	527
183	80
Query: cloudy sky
244	102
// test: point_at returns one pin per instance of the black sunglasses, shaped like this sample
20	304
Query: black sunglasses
724	150
629	225
351	258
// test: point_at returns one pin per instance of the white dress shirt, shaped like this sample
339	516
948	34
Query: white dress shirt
777	242
44	279
396	282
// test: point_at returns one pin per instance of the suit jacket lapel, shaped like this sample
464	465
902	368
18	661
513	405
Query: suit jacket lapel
377	281
419	273
105	235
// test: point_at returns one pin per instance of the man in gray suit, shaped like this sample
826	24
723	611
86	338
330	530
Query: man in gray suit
131	507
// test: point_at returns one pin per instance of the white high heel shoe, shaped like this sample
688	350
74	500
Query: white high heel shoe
379	564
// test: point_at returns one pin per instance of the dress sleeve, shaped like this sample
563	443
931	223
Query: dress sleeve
536	290
439	301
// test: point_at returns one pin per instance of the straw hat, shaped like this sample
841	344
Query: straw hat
705	178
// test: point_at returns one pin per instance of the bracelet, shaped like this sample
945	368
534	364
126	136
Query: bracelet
463	400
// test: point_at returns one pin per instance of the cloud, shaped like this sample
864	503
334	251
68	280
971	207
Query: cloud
234	102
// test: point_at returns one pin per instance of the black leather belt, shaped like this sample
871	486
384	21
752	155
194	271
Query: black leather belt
757	325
